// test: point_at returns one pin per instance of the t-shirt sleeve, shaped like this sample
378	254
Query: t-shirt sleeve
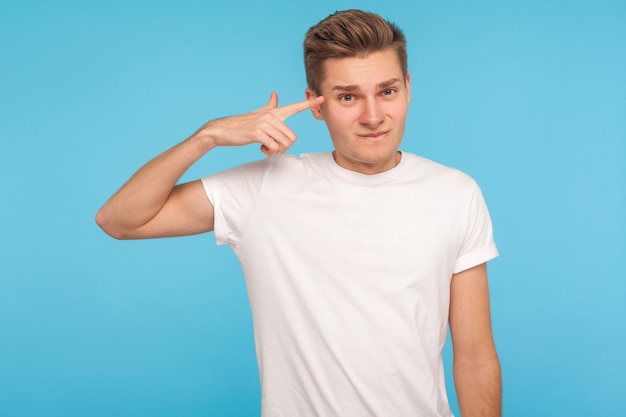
234	194
477	245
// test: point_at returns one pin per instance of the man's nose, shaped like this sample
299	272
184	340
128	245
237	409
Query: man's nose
372	114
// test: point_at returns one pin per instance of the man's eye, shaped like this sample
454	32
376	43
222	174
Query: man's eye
388	92
346	97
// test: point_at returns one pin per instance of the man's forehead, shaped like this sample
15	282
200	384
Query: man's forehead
378	69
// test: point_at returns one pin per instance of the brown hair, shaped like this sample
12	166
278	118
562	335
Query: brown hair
349	33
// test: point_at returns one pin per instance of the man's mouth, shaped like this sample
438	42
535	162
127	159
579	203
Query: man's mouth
374	135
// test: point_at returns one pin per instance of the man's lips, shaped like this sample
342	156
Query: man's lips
373	135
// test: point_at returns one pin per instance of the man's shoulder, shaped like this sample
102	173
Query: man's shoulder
281	163
427	169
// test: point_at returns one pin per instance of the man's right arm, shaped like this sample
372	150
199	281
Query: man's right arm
151	205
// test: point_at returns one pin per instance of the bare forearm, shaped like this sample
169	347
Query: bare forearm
143	195
479	386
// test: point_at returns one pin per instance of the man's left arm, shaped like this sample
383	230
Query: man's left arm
476	365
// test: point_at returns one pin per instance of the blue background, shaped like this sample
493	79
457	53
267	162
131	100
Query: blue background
527	97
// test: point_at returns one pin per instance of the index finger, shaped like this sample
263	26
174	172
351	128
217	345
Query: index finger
294	108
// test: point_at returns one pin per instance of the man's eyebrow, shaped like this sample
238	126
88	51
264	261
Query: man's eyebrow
346	88
353	88
388	83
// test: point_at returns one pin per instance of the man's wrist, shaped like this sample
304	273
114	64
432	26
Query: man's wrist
202	141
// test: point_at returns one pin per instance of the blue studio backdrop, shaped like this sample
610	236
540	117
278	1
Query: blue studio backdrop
528	97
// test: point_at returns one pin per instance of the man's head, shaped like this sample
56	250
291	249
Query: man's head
357	62
347	34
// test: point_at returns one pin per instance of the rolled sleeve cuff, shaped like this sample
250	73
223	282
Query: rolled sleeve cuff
476	257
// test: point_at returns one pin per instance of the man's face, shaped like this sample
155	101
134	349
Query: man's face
365	105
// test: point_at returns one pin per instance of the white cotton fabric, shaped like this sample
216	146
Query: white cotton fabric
348	277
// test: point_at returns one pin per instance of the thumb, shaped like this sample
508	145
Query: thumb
272	104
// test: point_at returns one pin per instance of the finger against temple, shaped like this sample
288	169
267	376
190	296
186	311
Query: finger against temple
295	108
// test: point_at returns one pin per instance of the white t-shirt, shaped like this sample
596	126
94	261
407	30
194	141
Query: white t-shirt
348	277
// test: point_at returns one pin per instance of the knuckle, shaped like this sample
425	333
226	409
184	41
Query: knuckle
268	116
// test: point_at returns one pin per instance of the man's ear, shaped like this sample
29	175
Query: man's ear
315	110
407	82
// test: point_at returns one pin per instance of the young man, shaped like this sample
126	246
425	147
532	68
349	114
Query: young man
355	260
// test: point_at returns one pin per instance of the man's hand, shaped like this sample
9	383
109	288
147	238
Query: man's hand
265	126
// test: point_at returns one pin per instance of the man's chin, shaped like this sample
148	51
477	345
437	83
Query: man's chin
368	163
